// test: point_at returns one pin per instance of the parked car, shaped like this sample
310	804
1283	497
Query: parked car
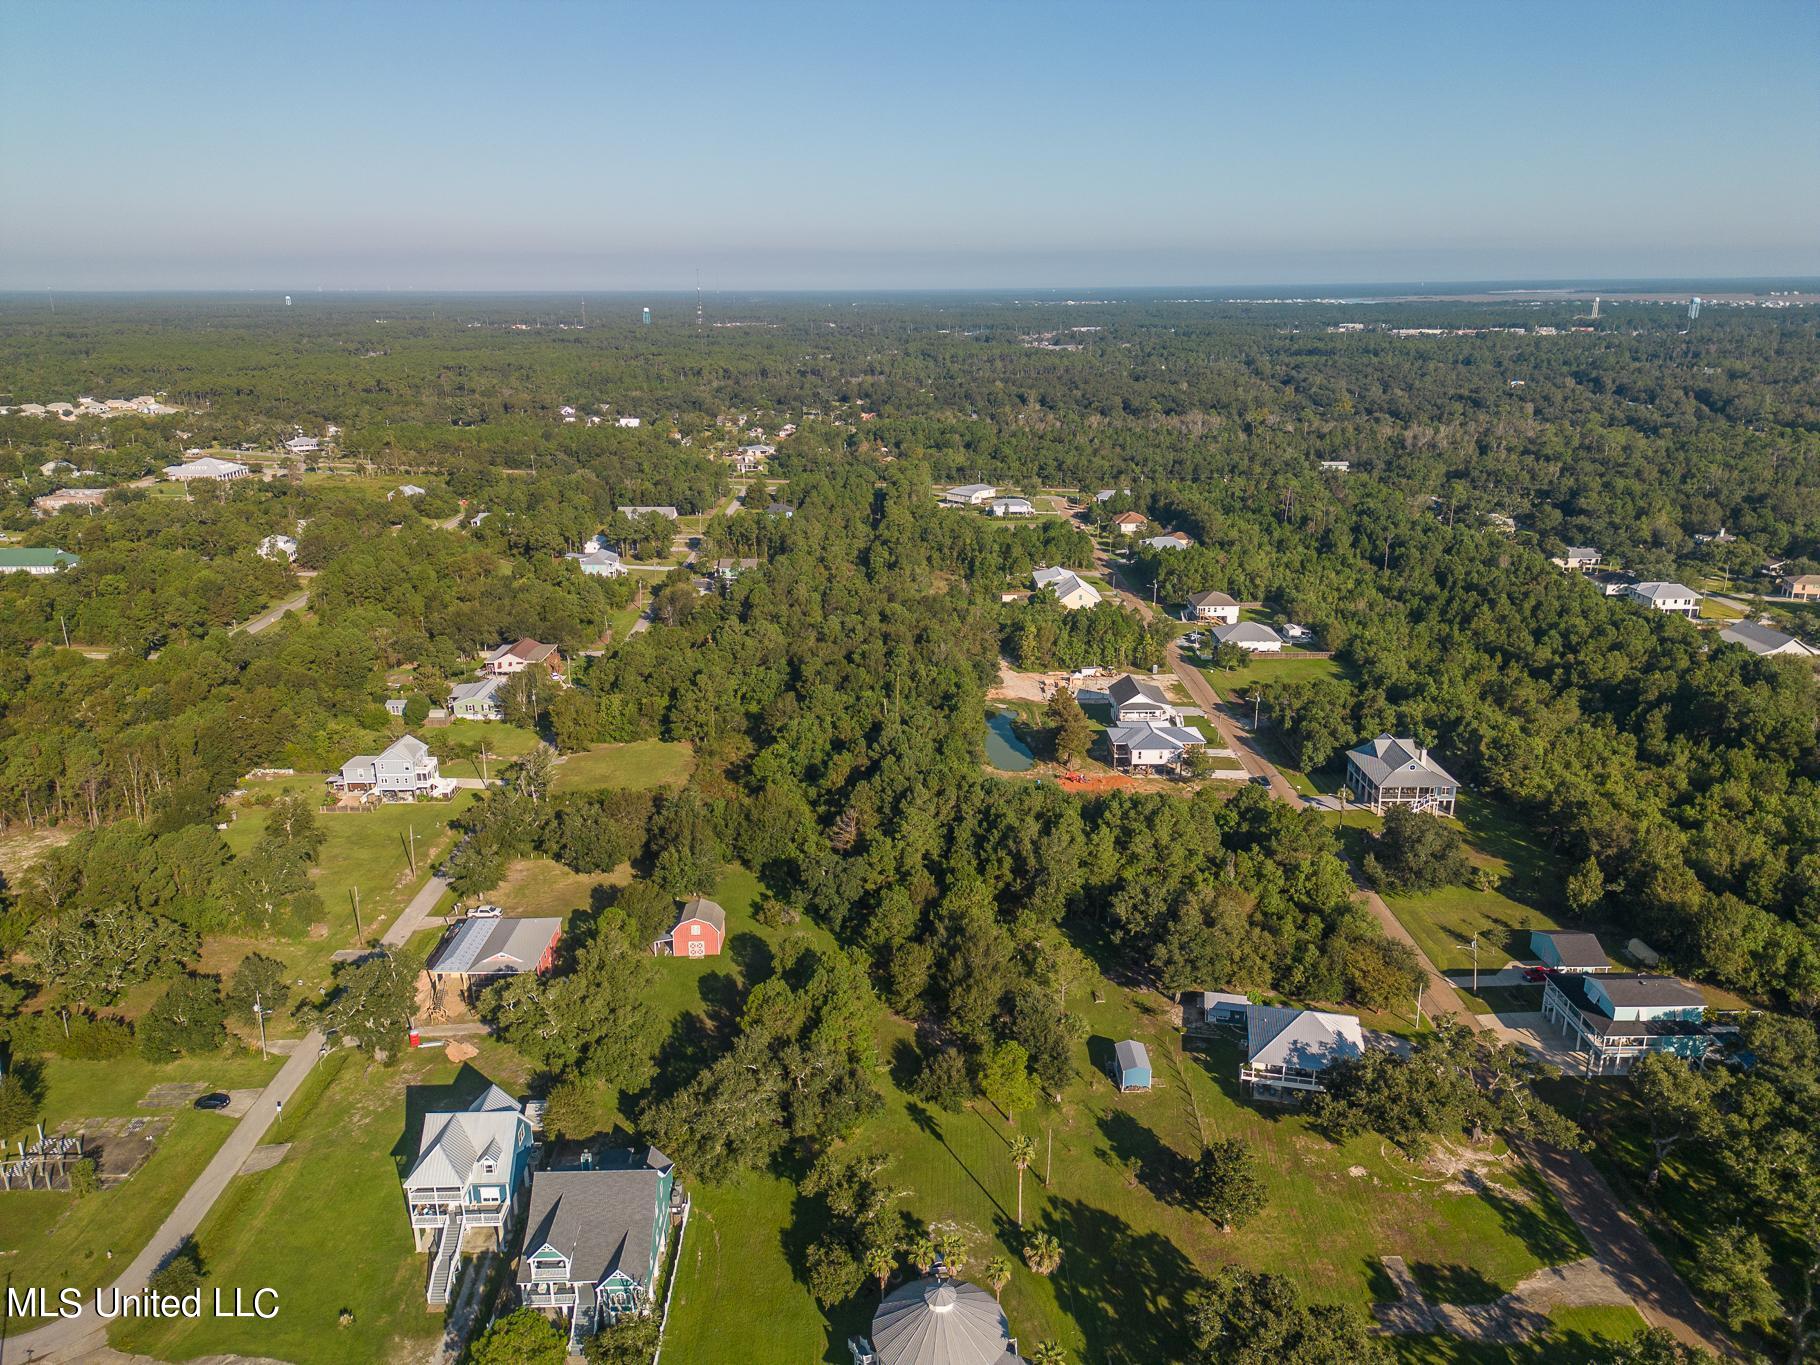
1535	975
485	912
1261	780
218	1099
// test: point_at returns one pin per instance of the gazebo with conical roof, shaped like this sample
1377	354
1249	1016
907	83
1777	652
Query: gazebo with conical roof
940	1322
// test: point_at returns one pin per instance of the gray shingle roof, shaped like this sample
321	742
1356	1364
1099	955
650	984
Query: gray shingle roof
1385	757
1650	992
602	1220
700	907
1760	639
941	1322
1578	950
1128	688
1210	599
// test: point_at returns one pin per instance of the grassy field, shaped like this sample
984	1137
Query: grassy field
538	886
642	763
1528	895
54	1238
326	1227
1577	1336
1267	668
504	743
369	850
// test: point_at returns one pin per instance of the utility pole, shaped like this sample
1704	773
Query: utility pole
1475	961
411	831
259	1013
483	763
1049	1160
1419	986
65	623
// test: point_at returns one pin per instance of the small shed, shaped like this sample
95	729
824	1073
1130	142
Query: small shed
1130	1066
1567	952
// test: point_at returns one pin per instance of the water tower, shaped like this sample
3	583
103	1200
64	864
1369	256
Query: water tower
647	317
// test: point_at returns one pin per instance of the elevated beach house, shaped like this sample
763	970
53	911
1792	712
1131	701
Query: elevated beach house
470	1170
1399	772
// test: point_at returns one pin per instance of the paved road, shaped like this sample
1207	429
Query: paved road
78	1338
411	920
273	616
1238	739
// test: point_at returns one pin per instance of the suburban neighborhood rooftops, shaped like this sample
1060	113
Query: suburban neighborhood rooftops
637	510
599	1219
1302	1040
1130	519
487	947
530	651
1210	599
1663	592
1386	757
941	1322
1576	950
1763	639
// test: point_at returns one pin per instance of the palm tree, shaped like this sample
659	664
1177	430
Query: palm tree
1023	1152
952	1243
878	1263
997	1273
1048	1353
923	1254
1042	1253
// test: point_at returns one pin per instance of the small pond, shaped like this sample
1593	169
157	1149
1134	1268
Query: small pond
1004	750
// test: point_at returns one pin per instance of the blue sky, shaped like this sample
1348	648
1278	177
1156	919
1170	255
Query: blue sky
926	144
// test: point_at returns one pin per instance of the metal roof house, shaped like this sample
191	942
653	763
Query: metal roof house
600	563
36	562
1070	589
477	952
1611	1020
1675	599
1399	772
1252	636
637	510
479	700
1204	1009
1169	540
595	1239
1286	1050
468	1173
937	1322
1149	747
208	467
970	494
1012	507
1130	1067
1567	952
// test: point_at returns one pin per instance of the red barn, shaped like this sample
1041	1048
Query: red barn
701	927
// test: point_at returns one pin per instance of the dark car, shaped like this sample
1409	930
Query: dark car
216	1100
1261	780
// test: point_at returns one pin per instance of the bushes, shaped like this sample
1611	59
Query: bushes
190	1017
1417	852
91	1037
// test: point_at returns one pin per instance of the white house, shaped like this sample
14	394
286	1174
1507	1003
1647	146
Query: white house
405	771
520	655
635	511
1151	747
1286	1050
1012	507
303	445
1766	642
1069	588
1399	772
1136	701
1251	636
38	563
627	422
1677	599
600	563
1211	606
272	547
1169	540
1336	466
970	495
406	490
1578	558
1130	523
208	467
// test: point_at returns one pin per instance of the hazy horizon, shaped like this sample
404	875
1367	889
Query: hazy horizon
820	147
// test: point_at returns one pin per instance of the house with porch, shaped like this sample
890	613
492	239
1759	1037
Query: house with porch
1286	1050
1612	1019
479	700
520	655
1578	559
1672	599
1399	772
1150	747
468	1175
406	771
1211	606
595	1238
1803	587
1136	700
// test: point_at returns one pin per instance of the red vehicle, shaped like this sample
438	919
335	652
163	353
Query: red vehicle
1535	975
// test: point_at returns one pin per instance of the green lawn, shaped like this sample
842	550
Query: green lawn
642	763
1444	921
326	1227
369	850
1267	668
504	743
1577	1336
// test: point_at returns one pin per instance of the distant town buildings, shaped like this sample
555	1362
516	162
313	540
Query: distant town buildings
52	503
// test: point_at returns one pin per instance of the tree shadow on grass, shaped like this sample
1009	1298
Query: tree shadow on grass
932	1124
1159	1168
1123	1288
1454	1283
753	957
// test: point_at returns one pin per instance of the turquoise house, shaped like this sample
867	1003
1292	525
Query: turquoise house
1130	1066
468	1174
1614	1018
